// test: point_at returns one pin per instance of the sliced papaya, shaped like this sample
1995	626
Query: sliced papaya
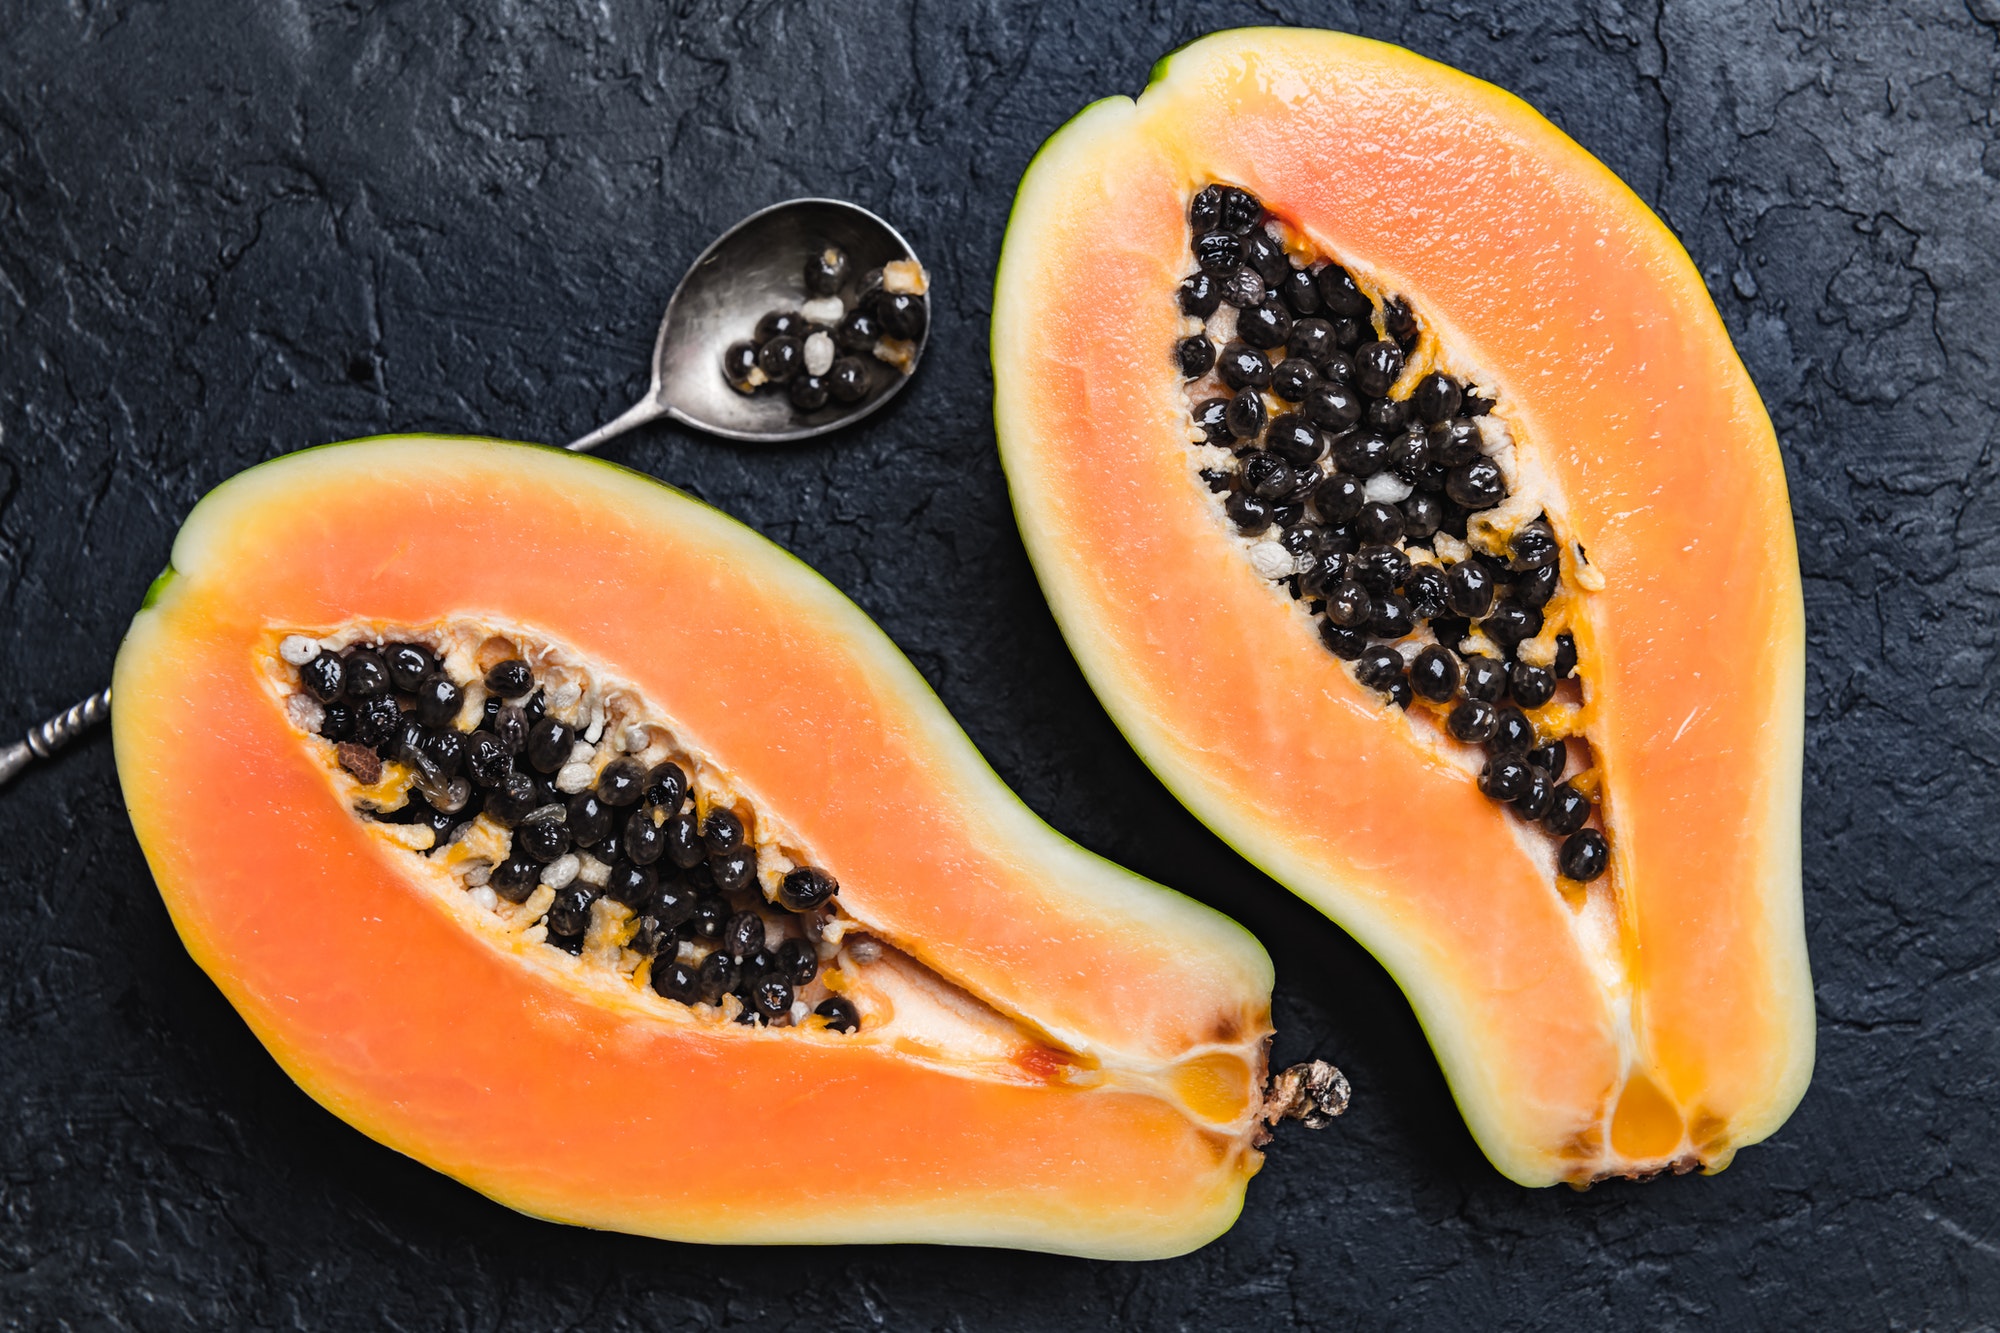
1397	487
566	835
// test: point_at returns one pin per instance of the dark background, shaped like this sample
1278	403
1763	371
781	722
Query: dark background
231	230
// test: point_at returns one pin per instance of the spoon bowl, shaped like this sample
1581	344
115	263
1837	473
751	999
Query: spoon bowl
754	267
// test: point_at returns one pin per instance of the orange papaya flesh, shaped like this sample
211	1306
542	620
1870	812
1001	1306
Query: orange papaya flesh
1054	1053
1659	1016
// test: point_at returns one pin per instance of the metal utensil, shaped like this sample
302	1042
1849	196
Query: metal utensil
756	266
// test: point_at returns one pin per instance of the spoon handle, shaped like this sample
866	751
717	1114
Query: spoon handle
649	408
46	738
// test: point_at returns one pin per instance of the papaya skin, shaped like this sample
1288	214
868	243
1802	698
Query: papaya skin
493	1064
1679	1026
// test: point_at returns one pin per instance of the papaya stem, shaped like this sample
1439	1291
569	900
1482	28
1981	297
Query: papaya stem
1313	1093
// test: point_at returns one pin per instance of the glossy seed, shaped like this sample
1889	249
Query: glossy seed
1380	569
1551	758
1392	619
1265	255
1503	778
1196	355
1384	414
1205	209
367	674
839	1013
710	917
1245	417
1211	418
1243	289
1469	589
324	677
1424	586
1538	794
1472	721
542	839
1349	605
1240	209
1378	522
1535	587
1294	378
1311	341
903	315
1565	663
549	744
438	700
738	360
1510	623
771	997
1250	513
1513	734
1200	295
515	878
1376	366
1531	686
621	782
589	819
809	392
1265	325
377	720
1339	498
486	759
858	331
1339	294
779	358
718	974
722	831
1346	644
509	679
1434	674
1242	366
1585	854
798	962
1217	253
1361	452
806	888
1300	292
1476	485
644	842
1455	443
848	379
1569	810
1293	439
336	722
675	980
631	884
734	870
1436	397
827	270
743	935
1379	667
408	664
570	913
1332	406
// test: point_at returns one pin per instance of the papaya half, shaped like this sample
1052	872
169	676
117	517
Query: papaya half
566	835
1394	481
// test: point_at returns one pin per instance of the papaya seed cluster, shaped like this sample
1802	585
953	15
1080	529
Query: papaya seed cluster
1390	507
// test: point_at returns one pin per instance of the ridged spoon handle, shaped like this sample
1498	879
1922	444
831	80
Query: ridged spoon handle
45	738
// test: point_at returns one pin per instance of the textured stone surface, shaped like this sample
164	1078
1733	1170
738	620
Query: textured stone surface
230	230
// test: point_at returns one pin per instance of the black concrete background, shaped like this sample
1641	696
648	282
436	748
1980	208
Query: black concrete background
229	230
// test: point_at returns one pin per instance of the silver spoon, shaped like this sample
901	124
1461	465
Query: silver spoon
756	266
